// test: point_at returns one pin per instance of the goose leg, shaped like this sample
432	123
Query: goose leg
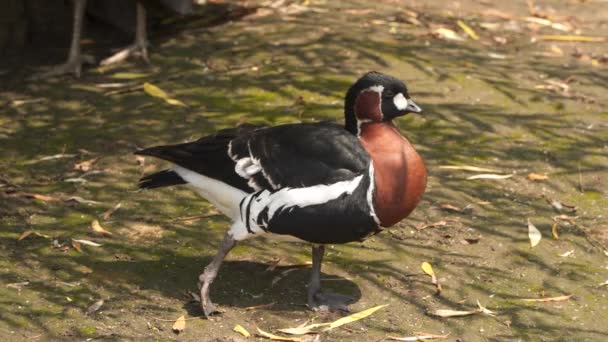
140	47
75	58
207	277
318	300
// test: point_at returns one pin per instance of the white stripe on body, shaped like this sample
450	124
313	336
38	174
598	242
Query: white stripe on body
286	199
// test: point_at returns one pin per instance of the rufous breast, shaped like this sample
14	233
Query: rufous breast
399	171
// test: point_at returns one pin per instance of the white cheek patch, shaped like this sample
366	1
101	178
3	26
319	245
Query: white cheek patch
400	101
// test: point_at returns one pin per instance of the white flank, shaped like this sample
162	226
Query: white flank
225	197
400	101
288	198
370	194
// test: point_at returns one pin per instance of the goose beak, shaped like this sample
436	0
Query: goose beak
406	105
412	107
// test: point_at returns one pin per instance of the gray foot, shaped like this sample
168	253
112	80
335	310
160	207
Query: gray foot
73	66
323	301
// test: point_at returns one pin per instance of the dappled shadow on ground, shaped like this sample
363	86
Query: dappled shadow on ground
478	111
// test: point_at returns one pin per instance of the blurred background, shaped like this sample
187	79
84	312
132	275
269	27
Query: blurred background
515	134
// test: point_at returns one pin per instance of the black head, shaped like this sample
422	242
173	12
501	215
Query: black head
376	97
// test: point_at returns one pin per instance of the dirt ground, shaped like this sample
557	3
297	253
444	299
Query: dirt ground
514	101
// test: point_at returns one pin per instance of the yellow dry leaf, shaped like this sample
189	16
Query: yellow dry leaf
466	28
549	299
586	39
239	328
467	168
537	176
99	230
179	325
277	337
428	269
354	317
533	234
155	91
554	231
176	102
314	328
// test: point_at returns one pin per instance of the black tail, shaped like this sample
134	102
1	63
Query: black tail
160	179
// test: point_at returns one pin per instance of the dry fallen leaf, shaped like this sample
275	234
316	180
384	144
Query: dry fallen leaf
106	215
560	206
489	176
303	330
56	156
533	234
428	269
457	313
537	176
44	198
441	223
567	254
88	243
261	306
81	200
604	283
155	91
554	231
19	285
98	230
447	34
467	168
549	299
448	207
315	328
85	165
276	337
418	337
77	246
27	233
179	325
95	307
586	39
238	328
547	22
354	317
467	29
